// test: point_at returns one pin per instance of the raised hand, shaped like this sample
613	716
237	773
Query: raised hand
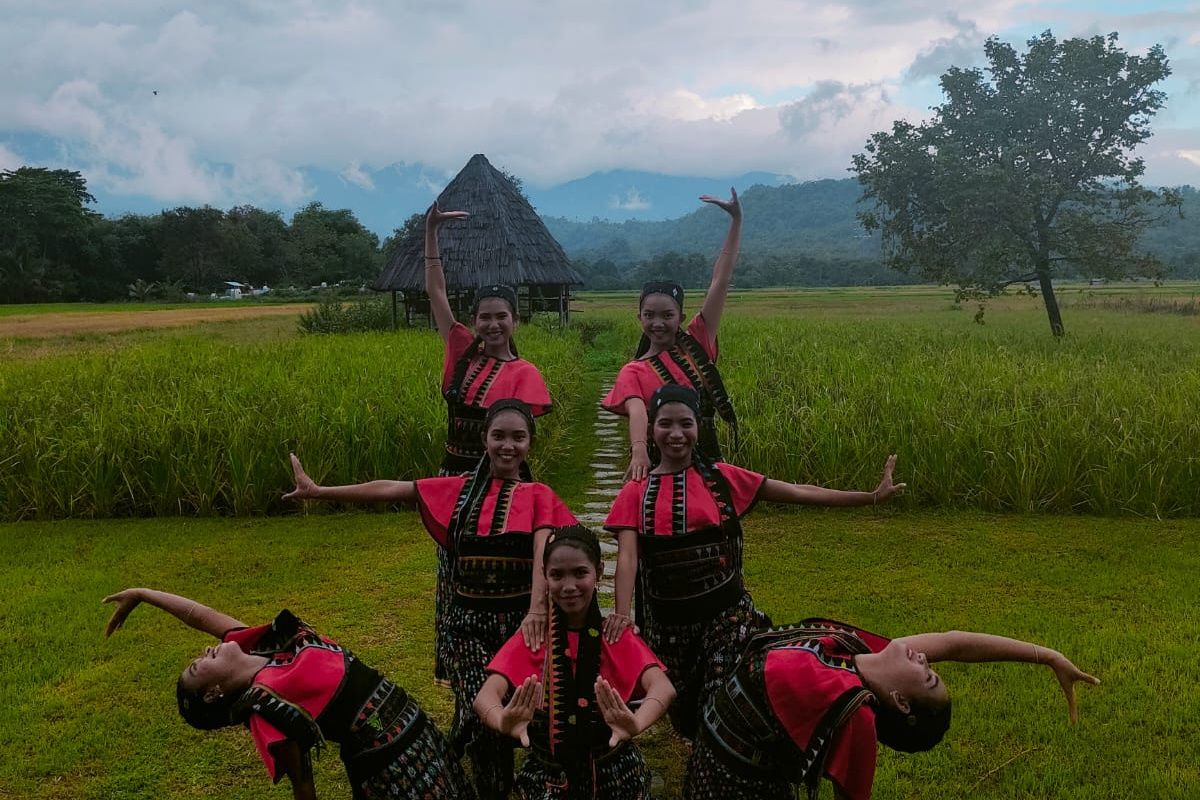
616	714
1068	675
639	464
515	717
886	487
732	206
306	487
126	601
434	217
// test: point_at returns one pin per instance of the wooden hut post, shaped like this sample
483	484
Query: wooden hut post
395	322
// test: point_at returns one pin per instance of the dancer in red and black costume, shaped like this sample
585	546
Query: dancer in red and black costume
579	727
295	690
491	526
480	366
810	701
668	355
679	539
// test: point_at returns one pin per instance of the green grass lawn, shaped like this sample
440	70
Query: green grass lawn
90	718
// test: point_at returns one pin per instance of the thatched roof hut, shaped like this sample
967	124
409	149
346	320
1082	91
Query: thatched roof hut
504	241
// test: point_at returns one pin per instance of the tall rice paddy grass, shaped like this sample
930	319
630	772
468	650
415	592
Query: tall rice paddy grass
195	426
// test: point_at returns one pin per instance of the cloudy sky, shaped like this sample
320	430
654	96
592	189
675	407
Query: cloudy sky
231	102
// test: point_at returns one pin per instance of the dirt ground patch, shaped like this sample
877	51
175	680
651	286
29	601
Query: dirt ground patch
35	326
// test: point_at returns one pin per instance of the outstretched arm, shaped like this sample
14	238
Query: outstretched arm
718	290
435	275
298	767
967	647
189	612
370	492
774	491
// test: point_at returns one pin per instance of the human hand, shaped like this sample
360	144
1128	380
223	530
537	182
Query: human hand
434	217
515	717
306	487
615	625
886	487
732	206
533	629
616	714
1068	675
126	601
639	463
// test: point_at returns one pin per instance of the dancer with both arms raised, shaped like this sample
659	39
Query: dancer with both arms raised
492	527
679	537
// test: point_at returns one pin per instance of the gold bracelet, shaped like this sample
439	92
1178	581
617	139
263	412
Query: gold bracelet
661	704
188	616
1036	658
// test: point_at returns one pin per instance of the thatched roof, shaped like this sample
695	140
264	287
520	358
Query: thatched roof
504	241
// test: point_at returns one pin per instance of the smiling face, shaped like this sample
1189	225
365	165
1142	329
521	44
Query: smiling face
675	431
213	671
494	322
660	318
507	440
571	578
906	682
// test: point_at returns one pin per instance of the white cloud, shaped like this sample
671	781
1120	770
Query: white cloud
630	200
249	94
1192	156
9	159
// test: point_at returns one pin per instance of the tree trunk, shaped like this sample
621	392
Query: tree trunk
1056	324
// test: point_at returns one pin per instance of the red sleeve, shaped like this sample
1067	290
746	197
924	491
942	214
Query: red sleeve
265	736
435	500
625	386
246	638
549	510
851	762
622	664
457	342
516	662
698	330
626	511
744	485
530	387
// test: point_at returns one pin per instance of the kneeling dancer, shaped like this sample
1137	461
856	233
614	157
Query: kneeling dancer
811	700
579	726
679	533
491	527
296	689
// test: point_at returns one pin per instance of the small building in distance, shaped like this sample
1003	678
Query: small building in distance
504	241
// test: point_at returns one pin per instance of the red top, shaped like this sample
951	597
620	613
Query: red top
629	510
489	379
801	683
621	664
510	506
308	677
639	379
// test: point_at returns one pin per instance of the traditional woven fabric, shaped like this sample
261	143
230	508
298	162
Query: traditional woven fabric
426	769
709	778
619	775
700	655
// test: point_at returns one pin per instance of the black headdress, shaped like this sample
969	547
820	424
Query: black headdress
509	404
505	293
673	393
669	288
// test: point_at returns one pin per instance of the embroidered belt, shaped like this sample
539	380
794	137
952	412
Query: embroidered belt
464	429
494	571
387	723
690	577
740	732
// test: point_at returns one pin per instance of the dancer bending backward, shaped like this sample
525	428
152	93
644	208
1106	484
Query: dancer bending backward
296	689
478	368
811	701
567	701
492	527
668	355
679	534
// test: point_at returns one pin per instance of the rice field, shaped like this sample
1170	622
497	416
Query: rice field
997	417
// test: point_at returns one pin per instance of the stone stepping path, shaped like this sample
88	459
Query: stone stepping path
608	471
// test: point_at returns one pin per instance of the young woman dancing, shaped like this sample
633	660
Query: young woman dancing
679	534
669	355
568	700
295	690
491	527
811	701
